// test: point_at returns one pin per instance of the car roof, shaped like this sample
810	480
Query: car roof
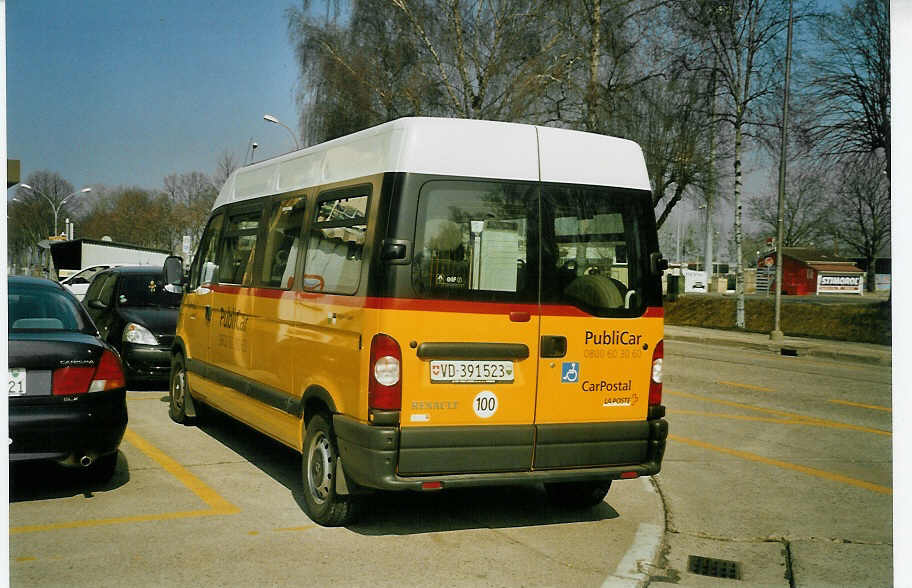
135	269
30	281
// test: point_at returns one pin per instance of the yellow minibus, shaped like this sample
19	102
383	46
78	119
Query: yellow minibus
434	303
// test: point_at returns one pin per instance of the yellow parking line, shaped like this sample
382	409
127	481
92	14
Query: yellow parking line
301	528
738	417
792	416
217	504
786	465
860	405
194	484
747	386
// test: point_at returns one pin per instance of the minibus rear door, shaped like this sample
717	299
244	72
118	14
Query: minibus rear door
468	393
596	343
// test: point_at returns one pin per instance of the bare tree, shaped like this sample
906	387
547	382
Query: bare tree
807	210
852	81
740	36
132	215
226	164
862	208
393	58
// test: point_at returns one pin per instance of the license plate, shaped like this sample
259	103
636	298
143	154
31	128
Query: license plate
469	372
16	382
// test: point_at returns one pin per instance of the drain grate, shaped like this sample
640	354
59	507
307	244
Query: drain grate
715	568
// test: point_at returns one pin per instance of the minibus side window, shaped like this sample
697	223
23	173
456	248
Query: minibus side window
204	268
283	242
335	249
237	247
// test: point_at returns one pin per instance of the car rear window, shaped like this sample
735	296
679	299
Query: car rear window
35	307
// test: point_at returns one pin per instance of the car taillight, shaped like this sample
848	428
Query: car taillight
655	376
384	390
107	375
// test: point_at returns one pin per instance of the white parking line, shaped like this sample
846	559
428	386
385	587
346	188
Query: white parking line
646	544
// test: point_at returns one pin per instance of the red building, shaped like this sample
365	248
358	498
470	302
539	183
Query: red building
813	271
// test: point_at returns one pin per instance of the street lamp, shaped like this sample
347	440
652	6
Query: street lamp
55	207
272	119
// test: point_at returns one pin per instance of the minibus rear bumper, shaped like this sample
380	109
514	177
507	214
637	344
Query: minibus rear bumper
370	458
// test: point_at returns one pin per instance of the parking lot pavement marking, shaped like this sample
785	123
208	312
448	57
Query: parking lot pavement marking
833	477
795	417
217	504
860	405
743	417
746	386
194	484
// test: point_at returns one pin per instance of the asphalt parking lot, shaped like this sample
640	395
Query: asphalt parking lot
220	505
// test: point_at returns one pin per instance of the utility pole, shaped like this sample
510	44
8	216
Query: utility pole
776	333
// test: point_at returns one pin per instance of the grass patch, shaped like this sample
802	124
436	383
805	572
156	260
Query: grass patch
862	323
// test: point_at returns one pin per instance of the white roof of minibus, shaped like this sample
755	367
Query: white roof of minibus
450	147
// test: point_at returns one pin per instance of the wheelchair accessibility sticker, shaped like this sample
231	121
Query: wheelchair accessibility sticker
570	372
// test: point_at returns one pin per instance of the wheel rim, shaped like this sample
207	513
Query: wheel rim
177	390
319	467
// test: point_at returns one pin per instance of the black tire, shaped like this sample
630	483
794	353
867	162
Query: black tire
102	468
177	392
318	473
577	494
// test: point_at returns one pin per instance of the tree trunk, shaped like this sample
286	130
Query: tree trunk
739	275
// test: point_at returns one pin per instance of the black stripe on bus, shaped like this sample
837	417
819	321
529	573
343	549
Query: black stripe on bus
447	350
266	394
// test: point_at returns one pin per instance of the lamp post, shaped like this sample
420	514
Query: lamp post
776	333
55	207
272	119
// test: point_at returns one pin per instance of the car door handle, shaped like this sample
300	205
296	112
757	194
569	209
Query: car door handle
553	346
208	313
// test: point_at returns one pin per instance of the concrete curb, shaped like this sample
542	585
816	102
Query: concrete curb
794	348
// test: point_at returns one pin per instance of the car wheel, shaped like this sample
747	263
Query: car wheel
577	494
103	468
177	392
318	467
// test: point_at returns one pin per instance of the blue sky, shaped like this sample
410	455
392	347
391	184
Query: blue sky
126	93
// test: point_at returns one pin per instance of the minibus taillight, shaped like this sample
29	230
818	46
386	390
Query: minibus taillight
655	378
107	375
384	390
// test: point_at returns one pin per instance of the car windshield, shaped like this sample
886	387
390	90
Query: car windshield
145	290
86	275
38	307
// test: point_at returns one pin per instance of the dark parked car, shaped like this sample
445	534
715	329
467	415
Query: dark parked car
67	392
136	315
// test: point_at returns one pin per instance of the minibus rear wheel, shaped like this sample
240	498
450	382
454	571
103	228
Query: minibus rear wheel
318	469
577	494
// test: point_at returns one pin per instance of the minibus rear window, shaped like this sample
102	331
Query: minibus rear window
473	240
593	248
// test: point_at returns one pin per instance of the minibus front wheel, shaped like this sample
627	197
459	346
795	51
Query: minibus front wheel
179	392
319	463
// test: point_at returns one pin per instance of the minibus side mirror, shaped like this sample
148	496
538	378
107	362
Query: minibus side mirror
173	270
394	251
657	263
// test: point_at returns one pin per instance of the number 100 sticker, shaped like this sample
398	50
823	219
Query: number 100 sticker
485	404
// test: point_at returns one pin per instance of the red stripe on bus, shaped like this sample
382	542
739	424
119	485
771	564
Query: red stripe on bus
457	306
